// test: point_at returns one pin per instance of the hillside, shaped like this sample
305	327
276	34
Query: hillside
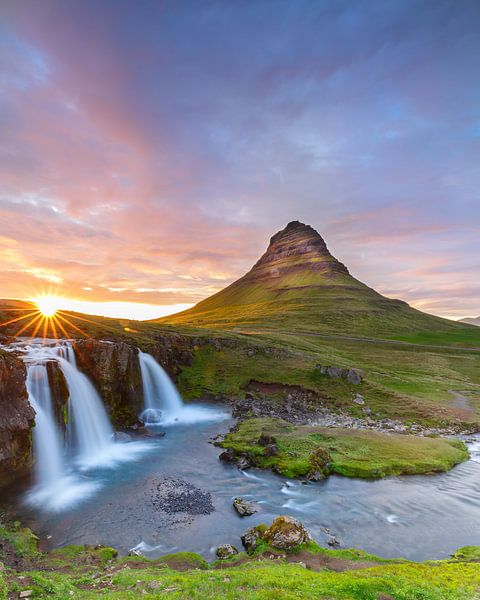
471	321
297	285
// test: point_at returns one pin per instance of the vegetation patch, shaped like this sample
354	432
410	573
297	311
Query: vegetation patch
352	452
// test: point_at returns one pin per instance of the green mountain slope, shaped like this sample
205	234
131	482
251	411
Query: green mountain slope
297	285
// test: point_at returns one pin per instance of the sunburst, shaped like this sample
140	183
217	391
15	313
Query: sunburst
45	319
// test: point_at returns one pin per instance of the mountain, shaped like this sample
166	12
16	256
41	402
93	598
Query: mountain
471	321
297	285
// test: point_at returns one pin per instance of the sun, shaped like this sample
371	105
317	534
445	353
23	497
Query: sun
47	305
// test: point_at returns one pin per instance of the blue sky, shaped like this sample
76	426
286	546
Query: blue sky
149	149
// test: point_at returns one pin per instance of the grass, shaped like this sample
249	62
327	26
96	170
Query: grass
354	453
361	576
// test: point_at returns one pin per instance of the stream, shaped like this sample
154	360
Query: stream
417	517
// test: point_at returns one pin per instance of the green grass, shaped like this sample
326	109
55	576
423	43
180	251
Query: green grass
255	579
354	453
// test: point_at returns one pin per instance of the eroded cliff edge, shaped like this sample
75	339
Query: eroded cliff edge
17	418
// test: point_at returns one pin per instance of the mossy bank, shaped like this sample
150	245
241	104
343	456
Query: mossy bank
315	452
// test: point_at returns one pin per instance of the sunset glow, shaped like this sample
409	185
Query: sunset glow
47	305
161	194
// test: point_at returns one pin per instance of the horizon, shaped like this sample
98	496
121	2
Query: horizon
146	165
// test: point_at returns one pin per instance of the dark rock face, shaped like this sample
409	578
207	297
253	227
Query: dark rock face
115	371
17	418
174	351
59	392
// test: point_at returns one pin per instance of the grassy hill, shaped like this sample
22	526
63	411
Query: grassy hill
299	307
298	286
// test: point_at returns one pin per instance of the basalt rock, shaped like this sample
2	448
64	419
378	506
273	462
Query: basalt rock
114	369
17	418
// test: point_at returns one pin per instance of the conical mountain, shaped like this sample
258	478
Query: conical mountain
297	285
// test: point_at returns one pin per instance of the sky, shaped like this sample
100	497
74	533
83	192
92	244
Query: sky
149	149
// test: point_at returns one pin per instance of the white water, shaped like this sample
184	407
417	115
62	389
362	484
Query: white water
90	437
163	403
89	430
48	448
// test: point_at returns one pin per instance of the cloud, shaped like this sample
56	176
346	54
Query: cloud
157	146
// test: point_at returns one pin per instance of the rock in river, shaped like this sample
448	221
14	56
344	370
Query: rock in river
244	508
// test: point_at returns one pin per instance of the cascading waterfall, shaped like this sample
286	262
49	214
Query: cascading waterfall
89	431
163	403
90	436
46	437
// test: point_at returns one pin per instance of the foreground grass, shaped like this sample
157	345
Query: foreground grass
353	453
85	576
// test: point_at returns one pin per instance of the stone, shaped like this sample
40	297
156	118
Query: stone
359	400
120	436
251	538
271	450
243	463
228	456
226	551
286	533
26	594
320	463
354	376
244	508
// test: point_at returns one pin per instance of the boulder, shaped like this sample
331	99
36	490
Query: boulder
286	533
226	551
359	400
354	376
320	463
251	538
244	508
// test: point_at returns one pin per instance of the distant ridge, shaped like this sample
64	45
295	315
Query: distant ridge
471	321
297	285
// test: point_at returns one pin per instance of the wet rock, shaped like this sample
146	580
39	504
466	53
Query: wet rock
243	463
333	541
286	533
244	508
228	456
17	418
120	436
226	551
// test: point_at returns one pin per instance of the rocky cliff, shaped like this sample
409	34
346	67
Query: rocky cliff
17	418
114	369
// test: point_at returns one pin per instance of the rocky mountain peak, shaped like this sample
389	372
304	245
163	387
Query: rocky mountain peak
297	246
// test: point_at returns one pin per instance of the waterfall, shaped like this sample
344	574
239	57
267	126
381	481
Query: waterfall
46	437
162	401
90	433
